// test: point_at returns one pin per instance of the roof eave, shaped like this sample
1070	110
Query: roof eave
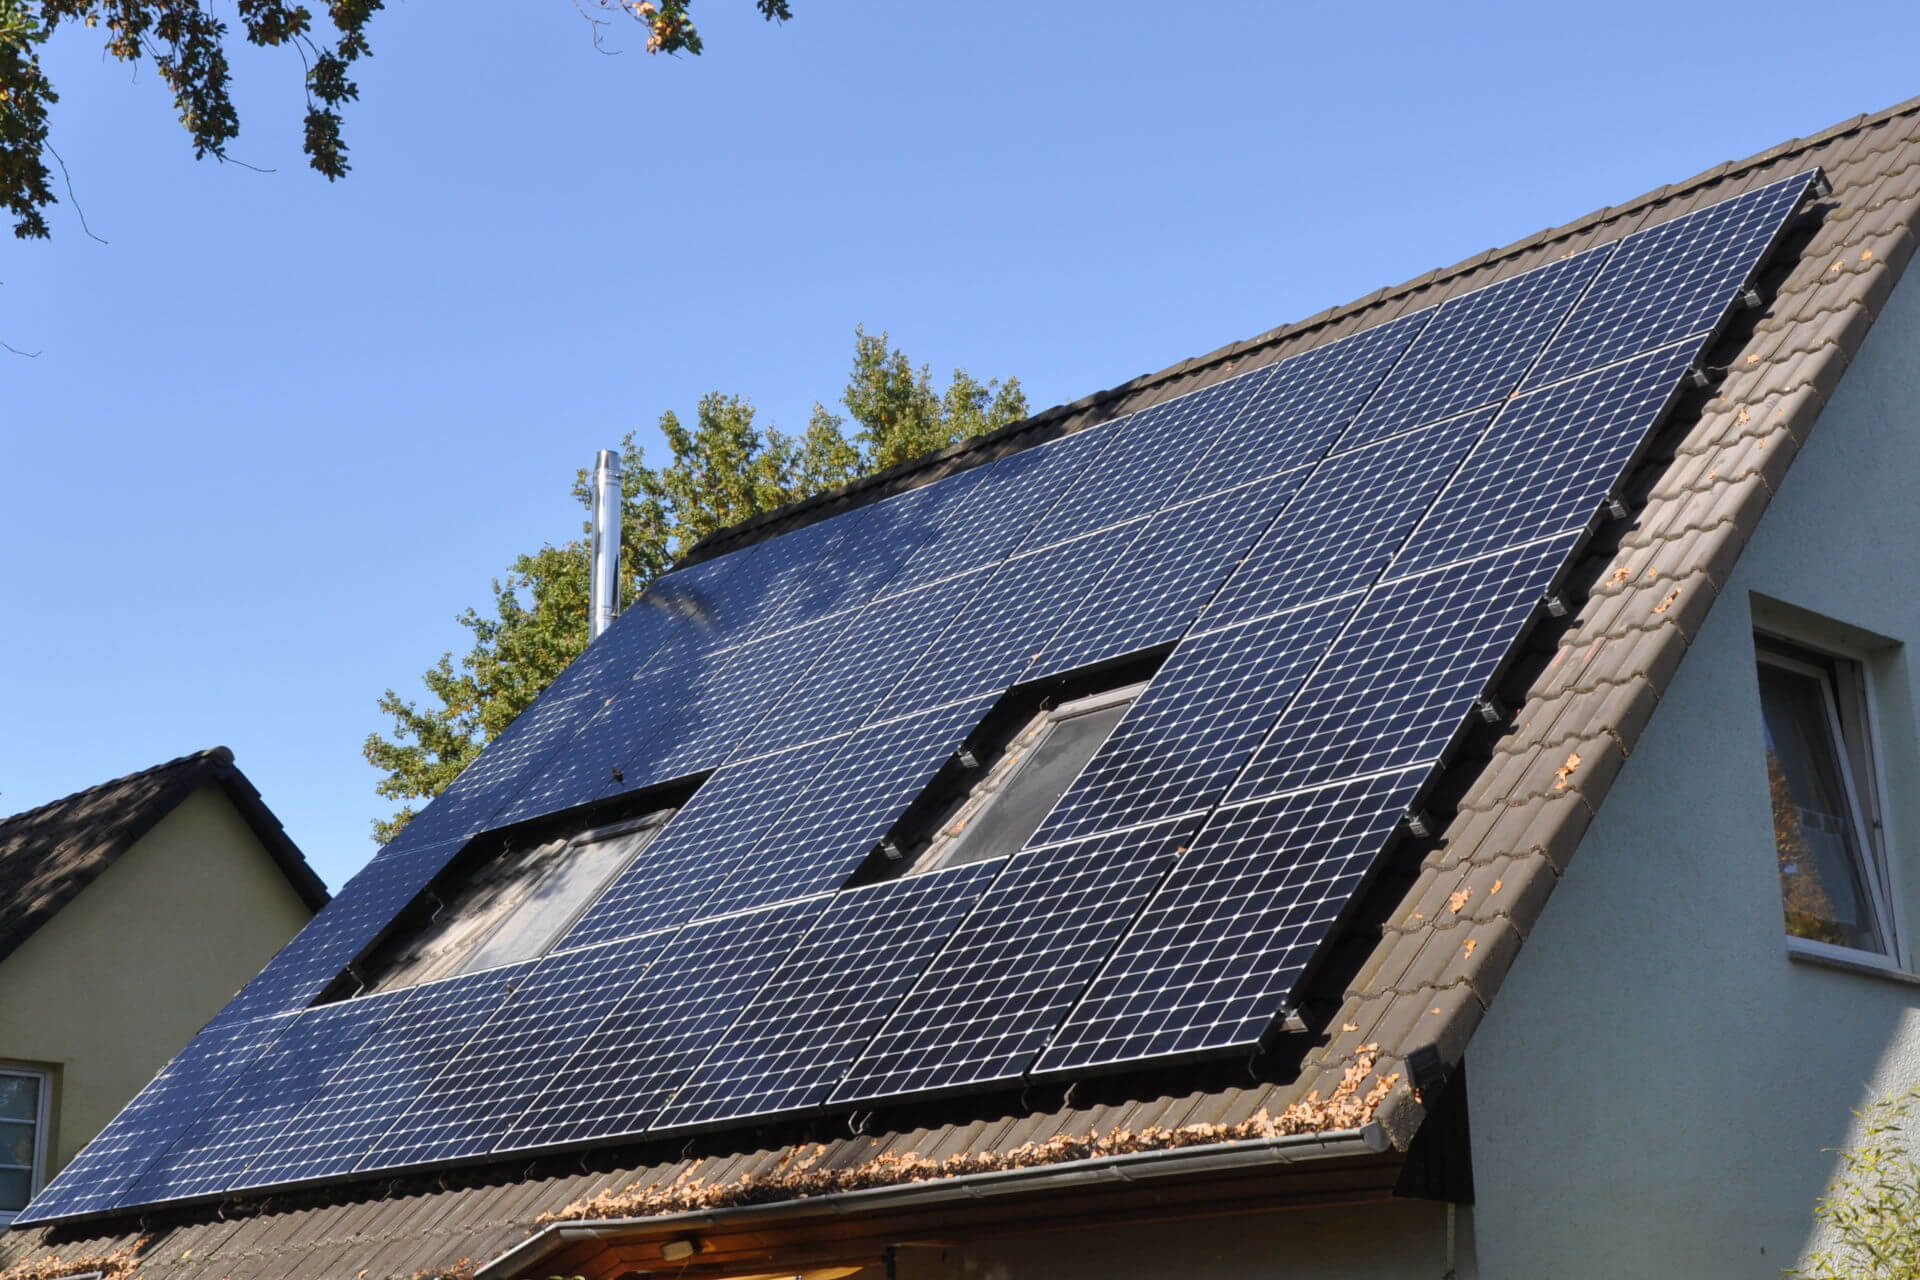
1138	1166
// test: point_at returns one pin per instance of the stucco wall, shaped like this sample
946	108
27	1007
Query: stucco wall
122	977
1654	1086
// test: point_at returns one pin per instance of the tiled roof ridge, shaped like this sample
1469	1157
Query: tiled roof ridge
1096	405
1451	940
206	757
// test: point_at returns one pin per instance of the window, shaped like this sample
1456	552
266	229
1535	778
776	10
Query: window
507	904
1823	782
26	1102
999	788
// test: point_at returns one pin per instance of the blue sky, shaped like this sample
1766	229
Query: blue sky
281	432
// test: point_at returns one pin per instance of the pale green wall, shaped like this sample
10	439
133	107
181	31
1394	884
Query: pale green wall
1654	1086
115	983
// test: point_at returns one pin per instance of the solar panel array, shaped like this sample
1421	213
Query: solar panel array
1341	551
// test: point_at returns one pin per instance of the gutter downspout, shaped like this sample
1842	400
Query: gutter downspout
1134	1166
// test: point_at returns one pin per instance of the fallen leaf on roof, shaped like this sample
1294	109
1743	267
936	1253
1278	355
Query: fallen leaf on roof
1837	264
118	1265
1435	1009
1496	887
1667	604
1754	358
1620	577
1564	773
1458	899
1744	416
1349	1026
1469	945
1866	255
1347	1107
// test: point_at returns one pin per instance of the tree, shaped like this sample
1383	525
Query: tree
720	470
1871	1214
188	44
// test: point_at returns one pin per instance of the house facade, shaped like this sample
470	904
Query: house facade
129	914
1641	947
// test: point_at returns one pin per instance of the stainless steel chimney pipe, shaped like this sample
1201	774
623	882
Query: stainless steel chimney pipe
604	565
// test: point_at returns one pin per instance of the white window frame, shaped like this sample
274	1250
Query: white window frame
42	1124
1833	665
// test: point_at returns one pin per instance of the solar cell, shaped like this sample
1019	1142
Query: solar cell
1162	578
872	544
831	827
1300	411
97	1179
1345	523
1394	689
1672	281
617	1081
379	1080
262	1100
1213	959
993	995
1477	348
469	1106
1182	742
1151	452
342	930
826	1000
845	682
1002	507
728	816
1549	462
1004	625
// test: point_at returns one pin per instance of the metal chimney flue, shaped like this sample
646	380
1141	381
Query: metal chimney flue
604	565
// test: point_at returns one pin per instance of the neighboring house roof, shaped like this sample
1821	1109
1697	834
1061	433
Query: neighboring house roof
50	853
1449	937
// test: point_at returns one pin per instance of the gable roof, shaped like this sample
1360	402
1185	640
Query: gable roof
1520	815
50	853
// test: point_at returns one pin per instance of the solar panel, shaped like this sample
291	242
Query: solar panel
1004	625
469	1106
1345	523
991	998
342	929
381	1078
1549	462
1477	348
617	1081
1180	745
1394	689
845	682
999	510
730	599
826	1000
1672	281
728	816
1300	411
1151	452
97	1179
848	806
1162	578
872	544
262	1101
1213	959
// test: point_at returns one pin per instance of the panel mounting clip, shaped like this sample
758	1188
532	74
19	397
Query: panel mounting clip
1617	509
1420	823
1749	297
1556	606
1490	709
891	848
1698	376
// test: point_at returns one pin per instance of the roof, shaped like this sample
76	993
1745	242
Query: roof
1520	813
50	853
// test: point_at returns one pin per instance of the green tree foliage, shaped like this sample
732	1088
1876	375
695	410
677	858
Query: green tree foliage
188	42
721	468
1872	1212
